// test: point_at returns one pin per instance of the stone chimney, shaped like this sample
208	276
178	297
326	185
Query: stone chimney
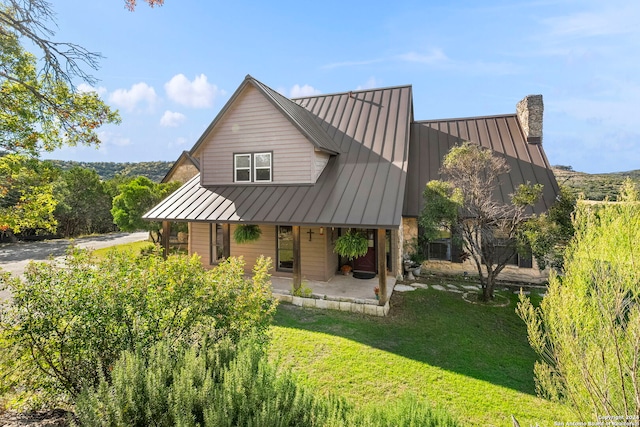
529	112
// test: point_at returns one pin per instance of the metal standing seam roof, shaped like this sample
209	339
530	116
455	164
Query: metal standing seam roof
431	140
362	186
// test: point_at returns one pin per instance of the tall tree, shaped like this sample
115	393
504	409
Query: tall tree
40	109
137	197
587	328
466	201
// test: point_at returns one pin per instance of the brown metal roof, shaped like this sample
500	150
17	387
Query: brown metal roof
431	140
362	186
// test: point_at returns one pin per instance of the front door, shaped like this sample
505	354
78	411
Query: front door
368	261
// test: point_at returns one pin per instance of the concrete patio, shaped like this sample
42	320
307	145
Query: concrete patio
344	293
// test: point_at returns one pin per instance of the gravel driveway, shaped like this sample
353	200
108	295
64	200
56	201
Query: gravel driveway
14	257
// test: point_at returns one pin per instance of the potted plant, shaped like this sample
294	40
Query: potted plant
346	269
376	291
351	245
245	233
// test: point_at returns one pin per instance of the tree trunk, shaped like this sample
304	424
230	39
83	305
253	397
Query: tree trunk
487	291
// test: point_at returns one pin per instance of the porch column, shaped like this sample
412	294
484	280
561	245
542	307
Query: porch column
297	268
381	250
166	233
226	240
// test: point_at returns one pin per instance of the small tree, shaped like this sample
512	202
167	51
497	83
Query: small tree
466	202
137	197
587	328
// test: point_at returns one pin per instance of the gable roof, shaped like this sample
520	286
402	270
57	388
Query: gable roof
299	117
362	186
431	140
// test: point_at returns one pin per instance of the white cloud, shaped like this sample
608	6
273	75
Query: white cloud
298	91
85	88
172	119
129	99
109	138
198	93
434	56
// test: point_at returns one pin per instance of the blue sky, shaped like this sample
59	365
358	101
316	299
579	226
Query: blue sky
169	70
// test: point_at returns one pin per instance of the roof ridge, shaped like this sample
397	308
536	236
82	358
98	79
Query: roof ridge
353	91
451	119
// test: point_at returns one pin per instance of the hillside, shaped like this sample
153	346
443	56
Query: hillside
155	171
594	186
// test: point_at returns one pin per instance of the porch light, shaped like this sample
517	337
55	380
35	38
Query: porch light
322	231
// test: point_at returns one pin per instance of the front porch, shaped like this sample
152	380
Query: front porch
344	293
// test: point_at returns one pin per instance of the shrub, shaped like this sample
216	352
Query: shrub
68	324
221	385
587	328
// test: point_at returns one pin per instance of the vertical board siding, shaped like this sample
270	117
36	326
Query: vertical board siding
199	241
252	125
313	254
265	245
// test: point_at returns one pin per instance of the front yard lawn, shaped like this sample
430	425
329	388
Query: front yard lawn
473	360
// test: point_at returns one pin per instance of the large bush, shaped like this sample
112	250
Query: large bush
587	329
68	324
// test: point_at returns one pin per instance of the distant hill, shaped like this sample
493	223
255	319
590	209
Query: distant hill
155	171
594	186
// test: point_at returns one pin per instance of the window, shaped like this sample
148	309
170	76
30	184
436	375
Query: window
242	167
216	243
285	248
439	248
262	168
252	167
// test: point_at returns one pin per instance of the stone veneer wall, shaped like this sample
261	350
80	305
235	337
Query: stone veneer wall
529	111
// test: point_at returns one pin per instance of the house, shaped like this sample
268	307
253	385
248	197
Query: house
306	170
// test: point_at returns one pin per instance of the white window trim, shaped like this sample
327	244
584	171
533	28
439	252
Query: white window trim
236	168
256	168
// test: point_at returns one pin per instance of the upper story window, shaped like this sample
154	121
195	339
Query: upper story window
252	167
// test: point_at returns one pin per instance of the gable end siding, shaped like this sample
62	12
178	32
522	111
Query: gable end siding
253	125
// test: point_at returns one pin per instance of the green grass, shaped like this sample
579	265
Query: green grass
134	247
472	360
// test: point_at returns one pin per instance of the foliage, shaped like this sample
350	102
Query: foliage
135	199
84	206
227	385
26	194
155	171
547	235
442	209
67	324
39	109
246	233
599	186
352	244
488	227
587	329
131	4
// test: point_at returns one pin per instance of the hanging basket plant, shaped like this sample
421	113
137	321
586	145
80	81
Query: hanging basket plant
246	233
351	245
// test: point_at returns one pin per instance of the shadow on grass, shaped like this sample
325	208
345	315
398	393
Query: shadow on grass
437	328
